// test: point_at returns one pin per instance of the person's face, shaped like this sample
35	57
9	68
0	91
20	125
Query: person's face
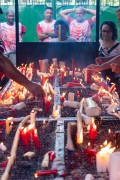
80	15
48	14
61	28
106	32
10	17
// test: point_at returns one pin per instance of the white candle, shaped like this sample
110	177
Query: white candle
89	177
3	147
71	96
103	158
8	125
73	104
115	166
19	106
102	161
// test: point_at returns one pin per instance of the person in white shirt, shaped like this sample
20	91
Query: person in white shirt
45	28
8	35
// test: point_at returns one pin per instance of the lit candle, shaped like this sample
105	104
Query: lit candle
47	104
32	117
112	88
88	73
79	128
43	79
36	139
103	157
63	96
92	132
45	173
8	125
24	137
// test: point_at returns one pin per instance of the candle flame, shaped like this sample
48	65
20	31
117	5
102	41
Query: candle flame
88	128
107	149
31	126
36	175
109	130
25	130
89	144
35	131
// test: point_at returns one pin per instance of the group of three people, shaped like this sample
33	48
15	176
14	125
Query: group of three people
79	28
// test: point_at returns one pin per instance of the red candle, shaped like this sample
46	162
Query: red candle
51	155
24	136
76	80
47	104
45	173
88	73
62	76
63	97
92	132
3	164
72	84
73	68
112	88
51	78
36	139
43	78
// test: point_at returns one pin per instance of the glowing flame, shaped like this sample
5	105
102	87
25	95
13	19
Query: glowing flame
36	175
107	149
31	126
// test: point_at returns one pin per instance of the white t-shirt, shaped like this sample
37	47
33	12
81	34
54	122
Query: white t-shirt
8	36
44	27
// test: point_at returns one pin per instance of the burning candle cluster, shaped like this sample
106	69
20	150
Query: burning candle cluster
70	96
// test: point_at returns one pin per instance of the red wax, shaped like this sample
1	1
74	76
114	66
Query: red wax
88	73
3	164
24	136
43	80
47	105
72	84
62	99
91	152
92	133
51	155
45	173
112	88
36	140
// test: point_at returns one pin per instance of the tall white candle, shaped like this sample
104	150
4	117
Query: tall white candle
115	166
102	161
103	158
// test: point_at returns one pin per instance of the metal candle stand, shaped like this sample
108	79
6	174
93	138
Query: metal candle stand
53	135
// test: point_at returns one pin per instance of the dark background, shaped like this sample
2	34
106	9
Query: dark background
83	53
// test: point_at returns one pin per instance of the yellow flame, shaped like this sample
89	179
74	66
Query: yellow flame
107	149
